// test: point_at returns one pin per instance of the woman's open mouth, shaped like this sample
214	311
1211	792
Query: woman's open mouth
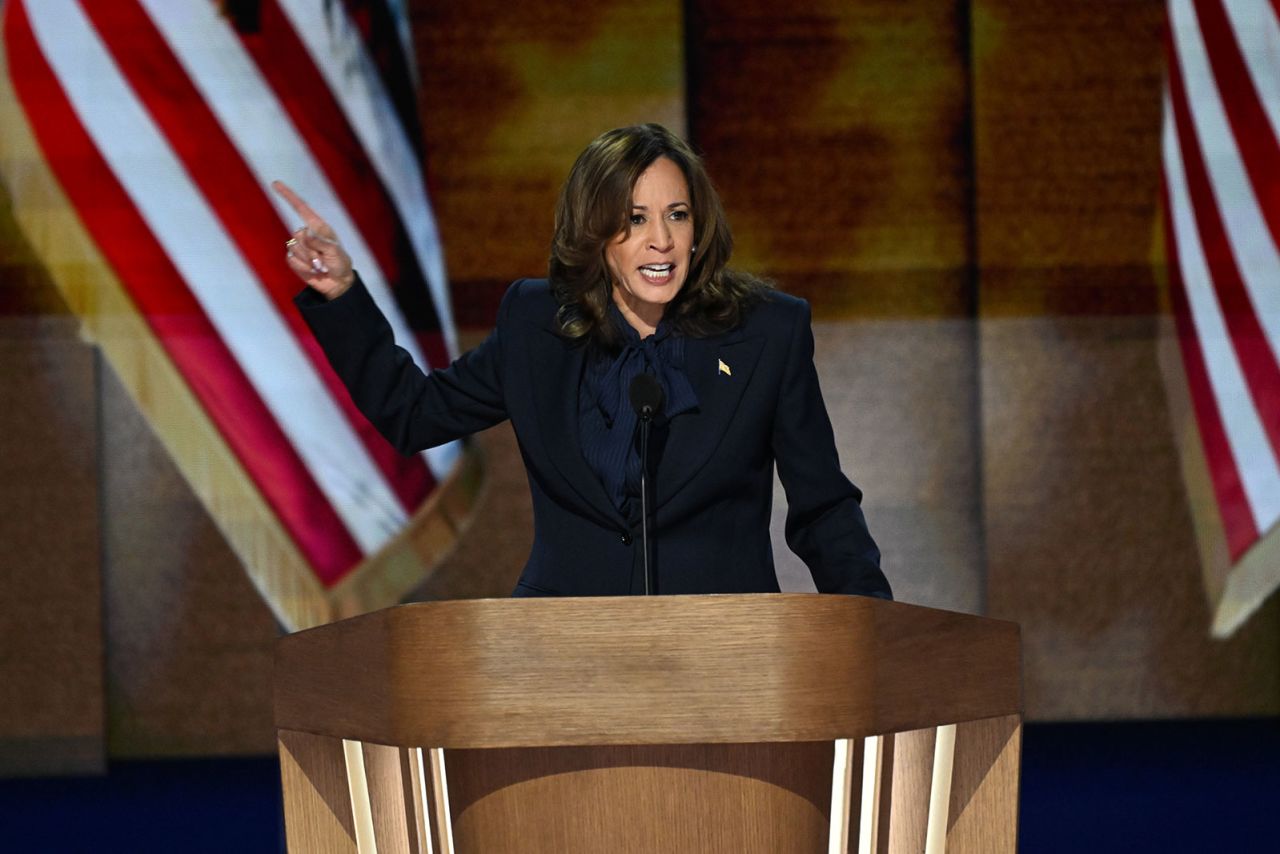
658	273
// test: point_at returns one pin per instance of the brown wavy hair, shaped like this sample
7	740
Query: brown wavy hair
595	207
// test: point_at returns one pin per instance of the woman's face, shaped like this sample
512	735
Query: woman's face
650	263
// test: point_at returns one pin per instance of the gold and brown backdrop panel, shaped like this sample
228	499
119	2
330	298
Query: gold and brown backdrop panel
52	701
966	192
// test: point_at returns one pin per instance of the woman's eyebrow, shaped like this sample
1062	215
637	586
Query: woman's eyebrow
669	207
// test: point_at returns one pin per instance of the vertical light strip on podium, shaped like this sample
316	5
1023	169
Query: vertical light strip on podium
869	821
358	787
440	801
944	752
841	777
422	806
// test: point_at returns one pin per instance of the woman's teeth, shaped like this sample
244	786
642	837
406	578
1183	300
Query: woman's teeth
657	271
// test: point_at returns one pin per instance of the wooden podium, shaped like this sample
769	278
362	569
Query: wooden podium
760	723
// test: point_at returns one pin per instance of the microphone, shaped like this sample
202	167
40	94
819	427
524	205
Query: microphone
646	399
646	396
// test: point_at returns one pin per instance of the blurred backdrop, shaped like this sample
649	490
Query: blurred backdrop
969	192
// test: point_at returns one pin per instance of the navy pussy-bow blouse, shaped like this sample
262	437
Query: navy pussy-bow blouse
606	421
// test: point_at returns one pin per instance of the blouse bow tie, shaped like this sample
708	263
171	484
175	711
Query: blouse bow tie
662	355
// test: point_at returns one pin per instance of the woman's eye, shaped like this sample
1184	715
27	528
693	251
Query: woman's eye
637	219
680	216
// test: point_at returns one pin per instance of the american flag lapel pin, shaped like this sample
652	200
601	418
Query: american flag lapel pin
724	369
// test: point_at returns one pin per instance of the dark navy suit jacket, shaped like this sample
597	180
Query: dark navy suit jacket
713	484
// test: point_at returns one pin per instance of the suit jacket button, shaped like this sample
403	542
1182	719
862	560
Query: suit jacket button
626	538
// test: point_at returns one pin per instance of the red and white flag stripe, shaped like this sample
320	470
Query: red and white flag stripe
164	125
336	47
1221	149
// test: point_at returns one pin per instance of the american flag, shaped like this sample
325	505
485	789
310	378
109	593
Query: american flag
139	139
1221	150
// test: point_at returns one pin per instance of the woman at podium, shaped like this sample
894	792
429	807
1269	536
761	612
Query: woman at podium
652	389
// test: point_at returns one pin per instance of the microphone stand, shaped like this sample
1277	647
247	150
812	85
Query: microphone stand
646	399
646	419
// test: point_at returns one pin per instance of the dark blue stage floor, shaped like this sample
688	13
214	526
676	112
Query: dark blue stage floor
1204	786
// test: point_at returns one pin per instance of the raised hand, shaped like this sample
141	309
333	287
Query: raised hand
314	252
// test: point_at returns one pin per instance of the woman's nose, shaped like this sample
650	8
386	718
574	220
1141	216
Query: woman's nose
660	237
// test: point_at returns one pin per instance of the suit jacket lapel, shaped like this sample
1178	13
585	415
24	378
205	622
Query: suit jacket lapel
695	435
555	369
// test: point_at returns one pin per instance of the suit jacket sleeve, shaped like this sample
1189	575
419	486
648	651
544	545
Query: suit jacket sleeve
412	409
825	525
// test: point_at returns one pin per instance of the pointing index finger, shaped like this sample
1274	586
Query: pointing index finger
295	201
